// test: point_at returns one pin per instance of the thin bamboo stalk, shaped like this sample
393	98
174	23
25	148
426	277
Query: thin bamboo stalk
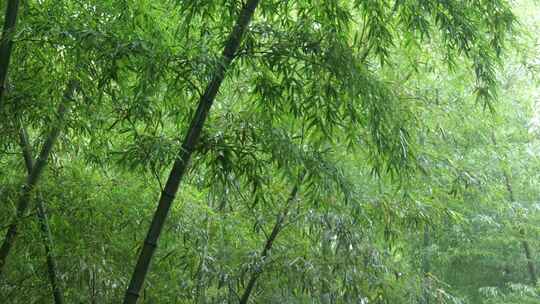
526	248
268	245
33	177
43	220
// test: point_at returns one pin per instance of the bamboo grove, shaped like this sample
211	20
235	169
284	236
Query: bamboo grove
256	151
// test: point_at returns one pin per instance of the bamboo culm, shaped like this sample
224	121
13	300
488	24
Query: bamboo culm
188	146
268	245
43	220
33	177
6	43
524	243
426	266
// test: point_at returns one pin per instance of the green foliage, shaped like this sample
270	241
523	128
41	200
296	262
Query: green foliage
408	190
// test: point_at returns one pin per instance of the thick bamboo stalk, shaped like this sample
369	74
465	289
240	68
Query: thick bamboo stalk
6	43
188	146
268	245
33	178
43	220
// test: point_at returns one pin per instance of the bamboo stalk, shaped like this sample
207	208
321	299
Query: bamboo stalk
426	266
268	245
524	243
6	43
33	177
43	220
188	146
